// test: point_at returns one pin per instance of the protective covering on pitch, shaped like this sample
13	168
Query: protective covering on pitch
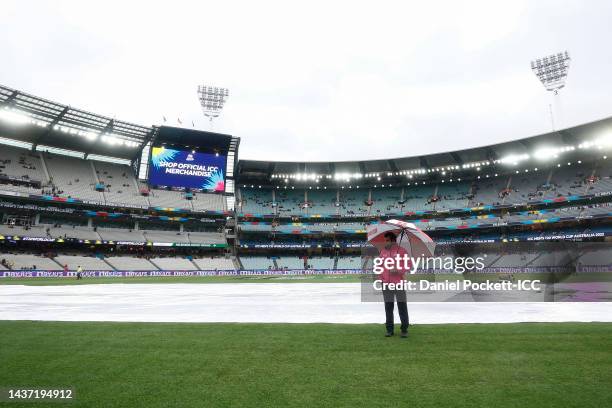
260	302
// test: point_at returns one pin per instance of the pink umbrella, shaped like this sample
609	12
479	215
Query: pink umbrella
412	239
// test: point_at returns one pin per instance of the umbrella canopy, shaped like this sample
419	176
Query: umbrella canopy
412	239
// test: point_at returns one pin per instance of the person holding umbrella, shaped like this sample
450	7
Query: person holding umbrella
390	250
395	238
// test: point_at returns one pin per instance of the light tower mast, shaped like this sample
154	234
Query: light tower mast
212	99
552	73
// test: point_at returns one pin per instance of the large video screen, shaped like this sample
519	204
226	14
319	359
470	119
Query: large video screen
186	168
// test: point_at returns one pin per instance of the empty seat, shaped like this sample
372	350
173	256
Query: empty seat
88	263
174	264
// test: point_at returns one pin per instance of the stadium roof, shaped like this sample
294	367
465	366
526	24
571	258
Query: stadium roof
535	147
61	126
64	127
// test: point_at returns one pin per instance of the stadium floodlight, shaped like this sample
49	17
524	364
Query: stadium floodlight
212	99
552	70
13	117
513	159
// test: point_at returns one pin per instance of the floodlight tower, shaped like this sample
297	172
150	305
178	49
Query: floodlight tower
552	72
212	99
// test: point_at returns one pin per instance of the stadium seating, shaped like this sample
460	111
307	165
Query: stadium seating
32	231
255	227
321	202
129	263
487	191
352	202
257	262
348	262
205	237
320	262
72	231
256	201
31	262
208	202
603	178
551	258
121	187
214	263
174	264
168	198
111	234
78	178
165	236
452	195
289	202
597	256
514	260
120	234
88	263
75	177
290	262
24	165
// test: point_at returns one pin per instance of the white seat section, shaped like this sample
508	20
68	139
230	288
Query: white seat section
205	237
129	263
256	262
349	262
168	198
208	202
246	226
596	256
70	231
290	262
31	262
174	264
75	177
21	164
514	260
487	191
33	231
165	236
215	263
120	184
256	201
321	262
88	263
120	234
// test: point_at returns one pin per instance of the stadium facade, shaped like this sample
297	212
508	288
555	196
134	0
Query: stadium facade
80	189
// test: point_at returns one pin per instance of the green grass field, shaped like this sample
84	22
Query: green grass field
311	365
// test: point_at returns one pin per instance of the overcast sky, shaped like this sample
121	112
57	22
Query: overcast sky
316	80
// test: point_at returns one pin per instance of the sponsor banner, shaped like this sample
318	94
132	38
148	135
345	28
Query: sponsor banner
128	274
568	236
288	272
112	215
34	207
104	242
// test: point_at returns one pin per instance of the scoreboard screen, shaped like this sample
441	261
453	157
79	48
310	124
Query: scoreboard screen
172	167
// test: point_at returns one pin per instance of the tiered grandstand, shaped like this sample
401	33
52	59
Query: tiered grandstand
74	192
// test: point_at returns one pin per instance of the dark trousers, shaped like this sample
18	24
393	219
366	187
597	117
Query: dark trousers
390	296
